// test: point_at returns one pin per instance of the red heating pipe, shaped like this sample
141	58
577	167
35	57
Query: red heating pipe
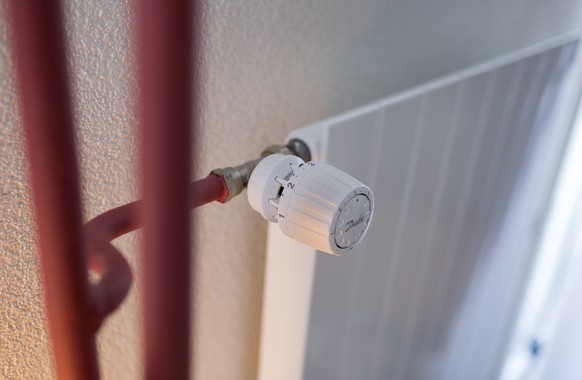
107	261
167	77
41	64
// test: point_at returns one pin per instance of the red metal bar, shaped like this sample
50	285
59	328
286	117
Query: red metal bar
39	51
167	105
75	309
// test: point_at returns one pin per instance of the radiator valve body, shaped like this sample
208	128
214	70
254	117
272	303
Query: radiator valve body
313	202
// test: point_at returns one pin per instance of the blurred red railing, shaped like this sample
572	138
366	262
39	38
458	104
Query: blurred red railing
167	39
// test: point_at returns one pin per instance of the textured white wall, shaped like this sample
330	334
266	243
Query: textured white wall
269	66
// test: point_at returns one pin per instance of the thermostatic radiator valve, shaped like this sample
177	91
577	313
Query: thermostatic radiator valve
313	202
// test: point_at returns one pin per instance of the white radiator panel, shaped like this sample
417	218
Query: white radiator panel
432	291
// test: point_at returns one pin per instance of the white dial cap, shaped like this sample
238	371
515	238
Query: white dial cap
317	204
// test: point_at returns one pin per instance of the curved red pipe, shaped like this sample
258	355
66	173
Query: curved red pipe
107	262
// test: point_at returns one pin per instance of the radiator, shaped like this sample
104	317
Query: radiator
461	169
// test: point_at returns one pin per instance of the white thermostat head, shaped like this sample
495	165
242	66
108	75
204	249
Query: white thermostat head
314	203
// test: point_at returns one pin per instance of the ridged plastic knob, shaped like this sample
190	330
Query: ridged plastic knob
314	202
